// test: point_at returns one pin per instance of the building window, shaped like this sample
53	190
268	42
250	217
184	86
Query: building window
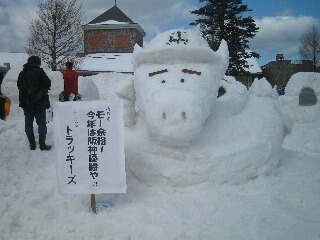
122	42
97	41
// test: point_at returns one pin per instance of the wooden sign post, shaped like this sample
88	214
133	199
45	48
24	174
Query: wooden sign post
93	203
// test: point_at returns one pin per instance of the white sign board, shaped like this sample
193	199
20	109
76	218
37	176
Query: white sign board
89	147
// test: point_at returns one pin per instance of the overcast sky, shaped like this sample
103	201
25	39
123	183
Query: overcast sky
281	22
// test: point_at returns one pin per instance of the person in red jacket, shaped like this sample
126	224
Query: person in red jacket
70	78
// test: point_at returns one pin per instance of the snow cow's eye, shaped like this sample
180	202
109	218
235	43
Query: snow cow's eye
163	81
182	80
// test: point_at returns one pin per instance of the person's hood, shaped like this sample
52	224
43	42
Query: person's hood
29	66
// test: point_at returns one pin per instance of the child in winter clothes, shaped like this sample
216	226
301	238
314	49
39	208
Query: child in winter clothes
70	78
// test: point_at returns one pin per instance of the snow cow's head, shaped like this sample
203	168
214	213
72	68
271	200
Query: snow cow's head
176	78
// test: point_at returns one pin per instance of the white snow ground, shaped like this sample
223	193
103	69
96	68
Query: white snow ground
283	205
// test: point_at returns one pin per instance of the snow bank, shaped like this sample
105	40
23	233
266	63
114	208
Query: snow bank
305	138
108	82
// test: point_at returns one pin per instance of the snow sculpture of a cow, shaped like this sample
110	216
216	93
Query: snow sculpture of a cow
182	135
176	84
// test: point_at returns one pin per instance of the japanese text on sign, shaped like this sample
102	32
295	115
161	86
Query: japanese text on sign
89	147
96	140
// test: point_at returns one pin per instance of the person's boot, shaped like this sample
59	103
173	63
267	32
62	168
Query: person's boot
42	143
32	141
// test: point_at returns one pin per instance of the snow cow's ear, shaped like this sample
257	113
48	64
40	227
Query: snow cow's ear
223	52
136	53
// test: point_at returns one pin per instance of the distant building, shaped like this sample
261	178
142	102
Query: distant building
280	71
112	32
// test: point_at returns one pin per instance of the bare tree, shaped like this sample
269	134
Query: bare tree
56	36
310	46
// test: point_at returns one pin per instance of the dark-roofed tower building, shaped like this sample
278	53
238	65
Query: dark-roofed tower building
112	32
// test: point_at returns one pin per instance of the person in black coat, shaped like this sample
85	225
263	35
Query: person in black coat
33	84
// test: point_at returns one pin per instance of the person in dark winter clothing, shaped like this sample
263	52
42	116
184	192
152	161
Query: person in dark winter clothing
70	77
33	84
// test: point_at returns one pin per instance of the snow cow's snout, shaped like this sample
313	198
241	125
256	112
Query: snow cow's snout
175	117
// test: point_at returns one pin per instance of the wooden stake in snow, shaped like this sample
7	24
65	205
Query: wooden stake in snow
93	203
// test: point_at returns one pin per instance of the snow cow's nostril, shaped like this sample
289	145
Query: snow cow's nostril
183	115
164	116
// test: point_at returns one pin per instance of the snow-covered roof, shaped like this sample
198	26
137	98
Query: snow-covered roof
113	18
101	62
254	66
109	22
113	13
108	62
13	58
